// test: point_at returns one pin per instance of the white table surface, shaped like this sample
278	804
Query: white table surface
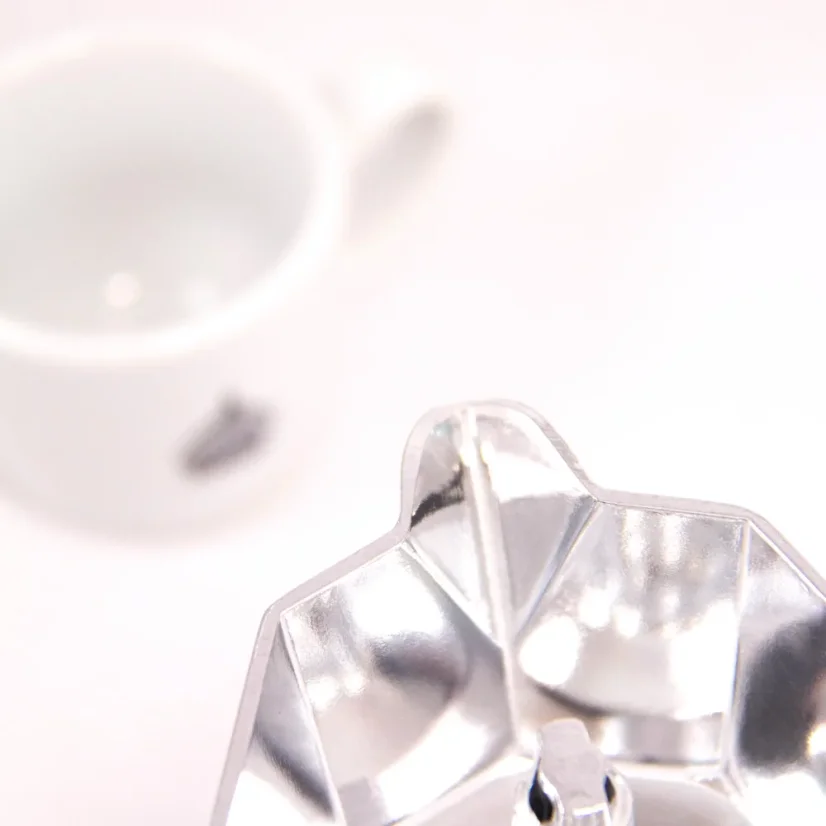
627	233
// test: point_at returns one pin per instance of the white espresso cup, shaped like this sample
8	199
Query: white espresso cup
169	207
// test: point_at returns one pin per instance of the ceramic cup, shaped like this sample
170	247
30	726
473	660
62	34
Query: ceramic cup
169	208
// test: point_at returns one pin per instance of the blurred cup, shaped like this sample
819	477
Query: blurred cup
169	207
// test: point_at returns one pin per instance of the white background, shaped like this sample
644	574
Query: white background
627	233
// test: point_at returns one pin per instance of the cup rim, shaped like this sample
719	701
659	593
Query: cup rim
305	253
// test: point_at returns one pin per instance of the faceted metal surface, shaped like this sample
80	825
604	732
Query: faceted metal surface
410	682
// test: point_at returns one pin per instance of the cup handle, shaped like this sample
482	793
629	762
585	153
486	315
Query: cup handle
394	121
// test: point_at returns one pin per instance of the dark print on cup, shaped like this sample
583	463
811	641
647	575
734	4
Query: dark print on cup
235	431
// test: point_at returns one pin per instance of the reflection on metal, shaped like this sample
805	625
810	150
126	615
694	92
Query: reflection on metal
411	681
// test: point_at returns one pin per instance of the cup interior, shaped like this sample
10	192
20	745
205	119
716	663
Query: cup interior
142	183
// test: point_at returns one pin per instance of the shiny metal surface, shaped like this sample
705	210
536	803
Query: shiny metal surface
571	783
411	681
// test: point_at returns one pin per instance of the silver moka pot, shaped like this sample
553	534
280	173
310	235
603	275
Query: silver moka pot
528	648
